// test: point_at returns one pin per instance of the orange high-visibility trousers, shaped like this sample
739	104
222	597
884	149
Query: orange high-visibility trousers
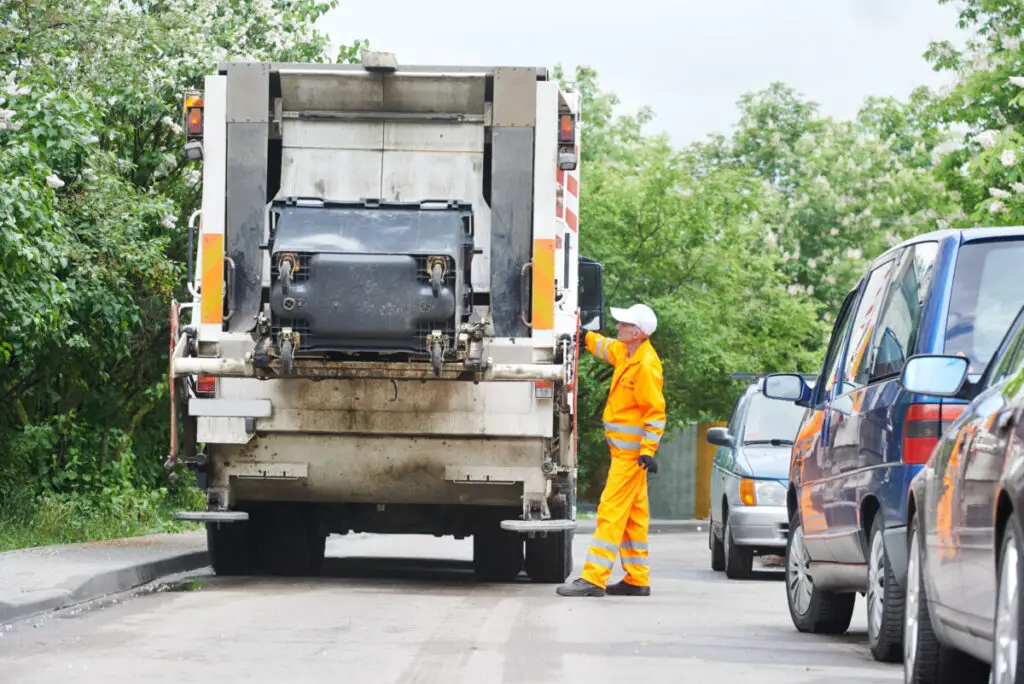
623	516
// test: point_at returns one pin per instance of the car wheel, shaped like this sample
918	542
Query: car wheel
884	601
925	659
811	609
920	646
717	550
739	560
1006	655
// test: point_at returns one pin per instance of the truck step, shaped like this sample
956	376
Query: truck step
212	516
538	525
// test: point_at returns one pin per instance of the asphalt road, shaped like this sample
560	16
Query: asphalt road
404	610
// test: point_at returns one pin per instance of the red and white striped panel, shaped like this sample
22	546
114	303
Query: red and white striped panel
568	206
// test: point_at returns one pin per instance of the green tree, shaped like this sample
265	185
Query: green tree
983	112
94	193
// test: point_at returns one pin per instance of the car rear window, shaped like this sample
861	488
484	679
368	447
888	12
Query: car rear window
988	291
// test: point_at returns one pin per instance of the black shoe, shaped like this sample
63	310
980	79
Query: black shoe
624	588
580	587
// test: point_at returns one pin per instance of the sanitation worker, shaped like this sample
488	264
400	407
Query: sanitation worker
634	421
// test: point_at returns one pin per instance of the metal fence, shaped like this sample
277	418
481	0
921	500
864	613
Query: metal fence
681	488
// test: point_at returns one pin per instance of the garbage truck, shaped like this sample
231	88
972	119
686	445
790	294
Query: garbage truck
385	311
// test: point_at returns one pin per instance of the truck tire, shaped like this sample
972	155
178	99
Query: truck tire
497	554
282	537
228	547
811	609
549	559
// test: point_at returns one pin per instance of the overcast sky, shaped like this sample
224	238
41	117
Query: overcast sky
690	60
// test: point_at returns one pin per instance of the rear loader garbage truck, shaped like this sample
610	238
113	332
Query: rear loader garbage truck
387	305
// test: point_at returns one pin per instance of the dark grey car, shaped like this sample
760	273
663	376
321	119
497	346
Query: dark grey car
966	524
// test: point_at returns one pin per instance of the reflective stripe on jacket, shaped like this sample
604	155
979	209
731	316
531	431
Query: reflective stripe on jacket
634	415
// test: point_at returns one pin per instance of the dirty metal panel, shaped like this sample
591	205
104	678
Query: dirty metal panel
230	408
248	100
409	136
410	408
314	421
333	135
508	351
354	91
381	469
511	226
267	470
493	474
515	97
341	175
222	430
453	94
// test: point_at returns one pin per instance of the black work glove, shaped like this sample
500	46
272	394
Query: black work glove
648	463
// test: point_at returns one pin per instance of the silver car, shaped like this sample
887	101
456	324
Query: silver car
749	481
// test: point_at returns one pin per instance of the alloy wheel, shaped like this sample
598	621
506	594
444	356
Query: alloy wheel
911	607
798	576
1004	667
876	587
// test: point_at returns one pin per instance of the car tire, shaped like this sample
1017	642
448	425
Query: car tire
811	609
717	550
1007	655
884	600
739	560
925	659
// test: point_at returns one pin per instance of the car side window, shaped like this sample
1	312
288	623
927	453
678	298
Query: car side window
830	367
897	329
1010	354
723	455
855	369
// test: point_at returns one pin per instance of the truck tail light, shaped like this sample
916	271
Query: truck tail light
924	426
194	115
206	384
566	129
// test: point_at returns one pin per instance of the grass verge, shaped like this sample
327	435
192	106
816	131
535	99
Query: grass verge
68	518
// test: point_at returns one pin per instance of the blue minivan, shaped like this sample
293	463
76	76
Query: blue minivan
864	438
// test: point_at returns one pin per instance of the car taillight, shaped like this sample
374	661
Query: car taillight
925	424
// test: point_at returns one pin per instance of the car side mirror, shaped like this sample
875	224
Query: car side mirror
936	375
591	295
787	387
719	436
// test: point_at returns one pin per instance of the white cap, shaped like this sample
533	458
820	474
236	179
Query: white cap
639	315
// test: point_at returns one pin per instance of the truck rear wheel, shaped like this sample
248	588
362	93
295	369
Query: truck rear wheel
497	554
229	548
549	559
285	540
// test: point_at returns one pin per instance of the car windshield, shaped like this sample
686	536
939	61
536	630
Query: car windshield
988	291
771	420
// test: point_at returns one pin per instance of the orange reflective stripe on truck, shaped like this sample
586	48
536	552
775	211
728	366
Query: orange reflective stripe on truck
212	282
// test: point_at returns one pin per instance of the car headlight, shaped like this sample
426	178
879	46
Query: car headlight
762	492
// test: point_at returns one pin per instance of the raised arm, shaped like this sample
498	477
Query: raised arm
606	348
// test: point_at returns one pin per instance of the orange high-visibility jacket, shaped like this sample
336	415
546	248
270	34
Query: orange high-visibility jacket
634	415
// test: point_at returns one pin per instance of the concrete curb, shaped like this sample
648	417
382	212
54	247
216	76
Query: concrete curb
90	587
656	526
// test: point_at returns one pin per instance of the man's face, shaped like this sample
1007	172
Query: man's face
628	333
